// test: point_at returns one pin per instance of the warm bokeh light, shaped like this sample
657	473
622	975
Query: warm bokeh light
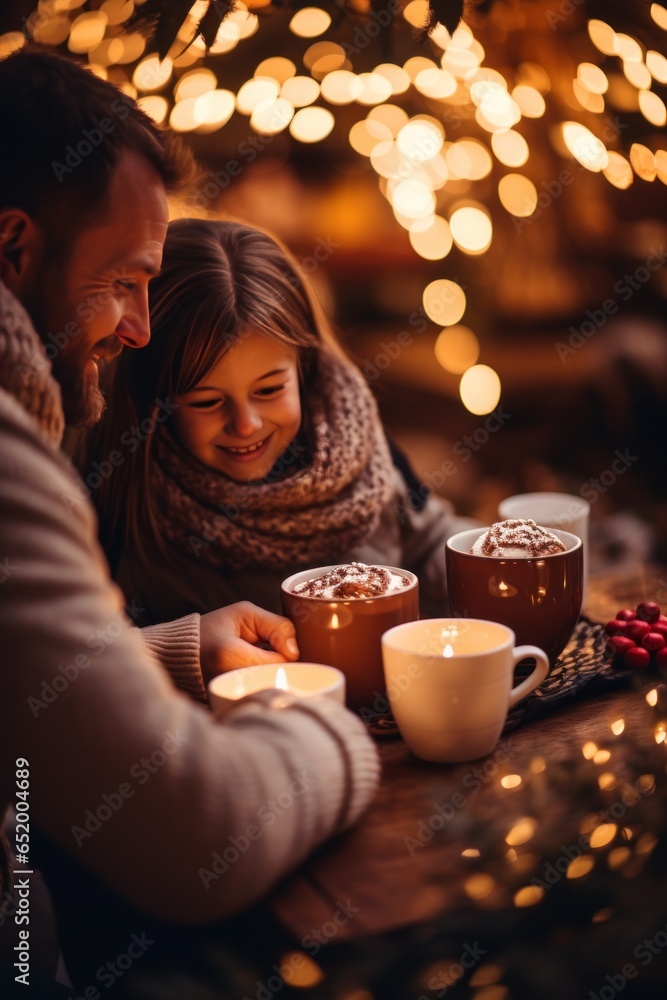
420	140
471	228
310	22
653	108
183	117
659	15
643	161
12	41
87	31
530	101
155	106
271	117
435	83
341	87
499	108
300	91
390	115
618	171
433	243
299	970
603	835
365	135
579	867
637	74
479	886
412	199
312	124
510	148
522	831
214	109
529	895
592	77
480	389
518	195
254	92
457	348
324	50
444	301
151	74
396	75
414	66
195	83
603	37
117	11
628	48
469	159
416	13
661	165
656	64
278	68
375	89
590	101
585	147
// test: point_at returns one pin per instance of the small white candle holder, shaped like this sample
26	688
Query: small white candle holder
301	680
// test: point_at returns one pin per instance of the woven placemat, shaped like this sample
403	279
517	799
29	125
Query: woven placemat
581	671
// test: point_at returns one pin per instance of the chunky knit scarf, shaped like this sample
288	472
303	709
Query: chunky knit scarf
25	371
330	503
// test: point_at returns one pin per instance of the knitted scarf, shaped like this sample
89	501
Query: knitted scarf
331	502
25	371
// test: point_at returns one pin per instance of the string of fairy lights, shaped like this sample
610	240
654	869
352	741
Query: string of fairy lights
428	179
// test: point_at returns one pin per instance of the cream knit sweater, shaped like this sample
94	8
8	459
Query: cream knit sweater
185	818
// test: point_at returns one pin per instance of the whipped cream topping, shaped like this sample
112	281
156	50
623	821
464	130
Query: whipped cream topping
352	580
517	539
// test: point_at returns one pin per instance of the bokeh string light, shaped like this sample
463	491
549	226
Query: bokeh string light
409	113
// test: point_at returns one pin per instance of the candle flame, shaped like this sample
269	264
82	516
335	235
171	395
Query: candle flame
281	679
448	651
334	621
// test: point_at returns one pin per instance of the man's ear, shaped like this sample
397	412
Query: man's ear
21	247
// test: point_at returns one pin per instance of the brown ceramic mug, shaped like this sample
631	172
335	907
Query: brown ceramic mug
539	598
346	633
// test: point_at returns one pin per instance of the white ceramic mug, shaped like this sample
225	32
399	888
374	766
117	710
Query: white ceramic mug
449	684
552	510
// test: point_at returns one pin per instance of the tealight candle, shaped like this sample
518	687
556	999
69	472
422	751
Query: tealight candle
302	680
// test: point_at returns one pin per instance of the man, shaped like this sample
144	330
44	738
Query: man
134	781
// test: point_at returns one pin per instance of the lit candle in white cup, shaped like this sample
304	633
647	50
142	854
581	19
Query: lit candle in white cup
302	680
449	684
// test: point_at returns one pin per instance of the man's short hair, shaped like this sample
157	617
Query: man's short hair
63	130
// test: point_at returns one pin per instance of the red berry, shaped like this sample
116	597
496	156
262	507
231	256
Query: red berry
625	615
660	657
659	628
617	645
662	620
637	629
648	611
616	627
653	641
637	658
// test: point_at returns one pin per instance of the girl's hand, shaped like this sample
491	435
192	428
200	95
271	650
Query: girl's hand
229	635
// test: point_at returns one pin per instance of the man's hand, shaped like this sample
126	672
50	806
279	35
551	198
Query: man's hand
228	635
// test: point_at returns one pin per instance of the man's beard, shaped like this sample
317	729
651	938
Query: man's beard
79	378
82	399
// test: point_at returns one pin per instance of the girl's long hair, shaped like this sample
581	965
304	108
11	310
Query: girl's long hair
220	281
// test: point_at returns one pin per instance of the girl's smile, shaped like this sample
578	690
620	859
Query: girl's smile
245	411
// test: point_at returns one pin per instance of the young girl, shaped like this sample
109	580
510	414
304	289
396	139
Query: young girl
243	445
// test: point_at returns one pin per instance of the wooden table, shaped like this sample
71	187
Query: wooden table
403	867
454	885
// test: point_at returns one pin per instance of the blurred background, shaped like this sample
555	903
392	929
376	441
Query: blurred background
484	213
